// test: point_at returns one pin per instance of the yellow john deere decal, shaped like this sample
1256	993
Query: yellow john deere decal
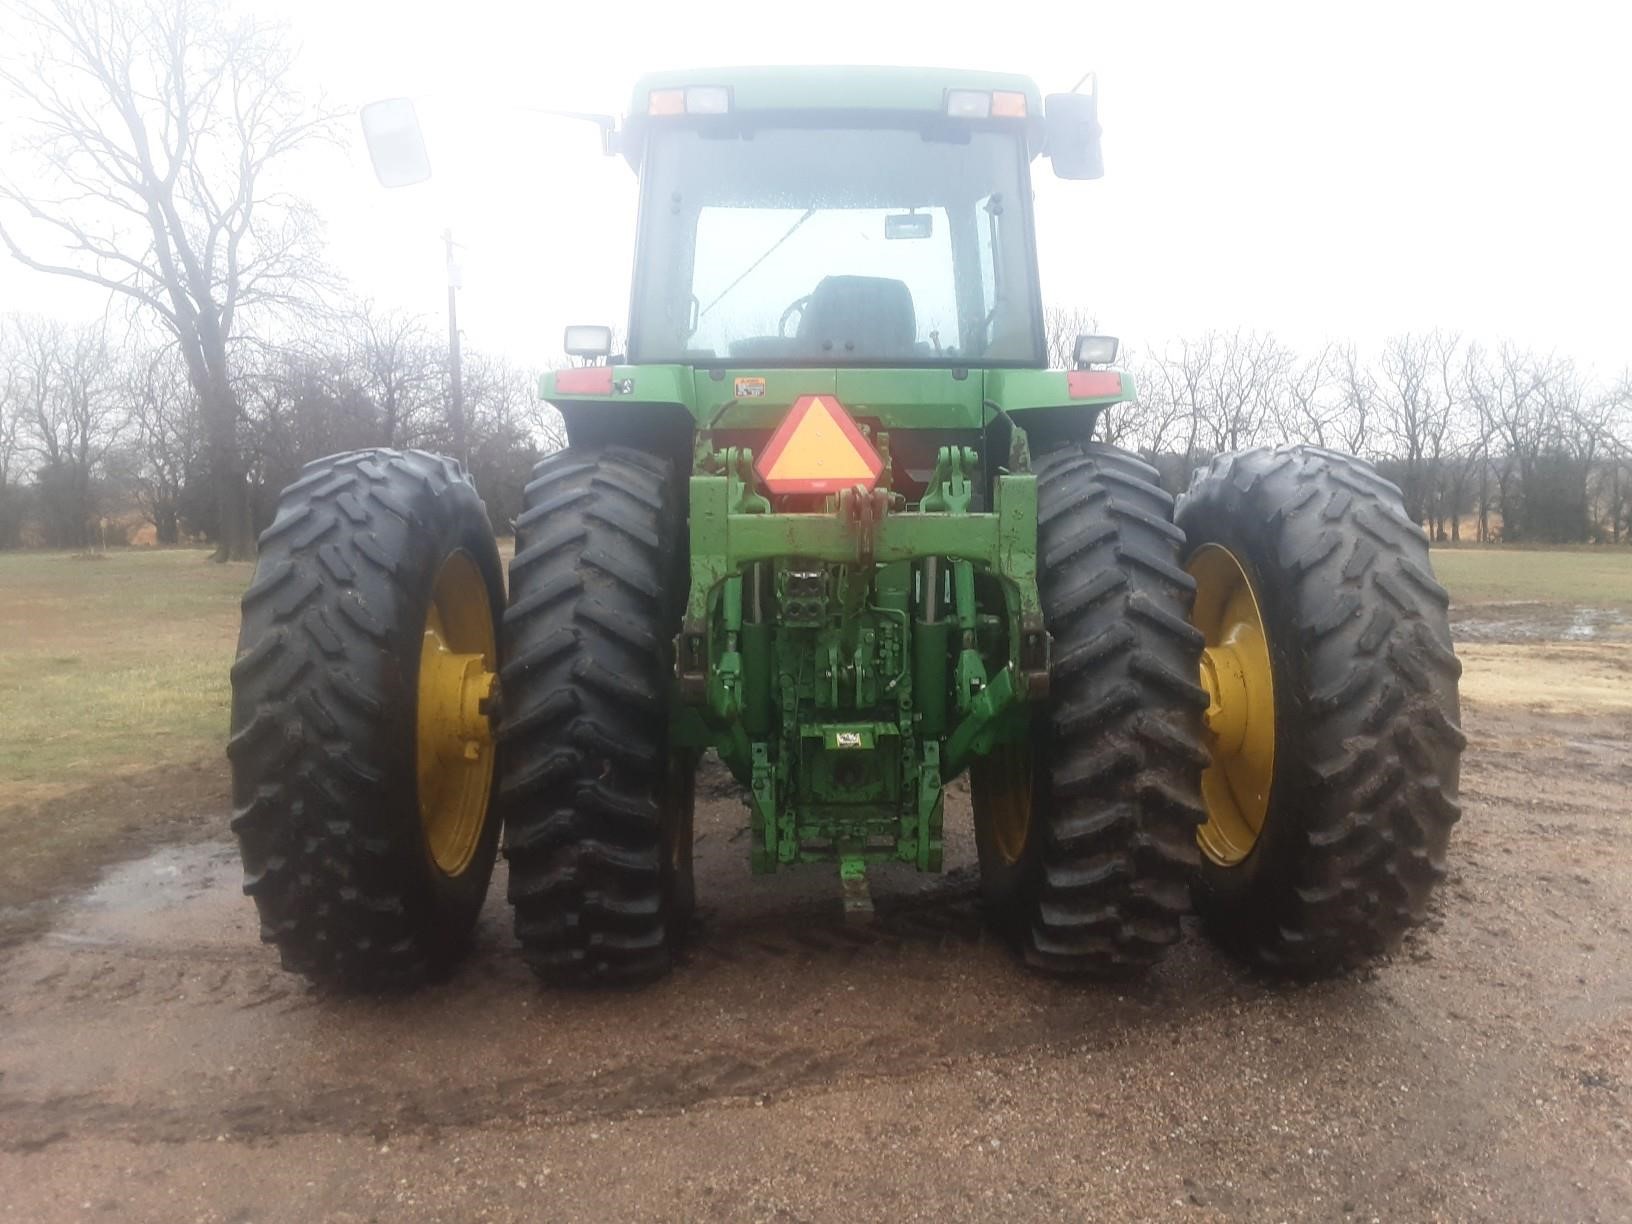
818	449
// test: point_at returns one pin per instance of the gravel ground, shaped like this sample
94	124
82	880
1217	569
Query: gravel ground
155	1064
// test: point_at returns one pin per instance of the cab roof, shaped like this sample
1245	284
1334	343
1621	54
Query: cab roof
851	94
837	87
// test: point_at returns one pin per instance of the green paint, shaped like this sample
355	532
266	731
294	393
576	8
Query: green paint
849	731
847	659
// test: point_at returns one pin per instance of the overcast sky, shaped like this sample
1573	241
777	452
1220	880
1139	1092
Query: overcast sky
1314	169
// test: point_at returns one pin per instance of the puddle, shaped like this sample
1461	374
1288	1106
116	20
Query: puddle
1591	623
1519	623
164	879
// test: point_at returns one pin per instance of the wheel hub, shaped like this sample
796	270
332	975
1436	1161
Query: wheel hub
457	688
1223	675
455	738
1240	718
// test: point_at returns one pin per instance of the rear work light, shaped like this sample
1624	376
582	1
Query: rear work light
979	104
692	100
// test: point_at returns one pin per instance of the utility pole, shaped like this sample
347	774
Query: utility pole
456	374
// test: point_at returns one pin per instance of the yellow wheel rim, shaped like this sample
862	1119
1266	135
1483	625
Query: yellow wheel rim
1235	671
1001	786
454	751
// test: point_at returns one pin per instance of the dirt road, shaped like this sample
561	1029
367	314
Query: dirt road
155	1064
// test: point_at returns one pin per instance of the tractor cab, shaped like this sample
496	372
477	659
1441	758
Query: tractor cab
863	234
855	217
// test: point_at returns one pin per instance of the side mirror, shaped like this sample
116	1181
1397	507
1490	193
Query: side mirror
395	144
587	340
1072	133
1095	350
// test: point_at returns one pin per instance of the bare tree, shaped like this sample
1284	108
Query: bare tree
1357	391
1616	484
155	128
11	381
1312	402
1617	495
1465	458
506	420
1241	386
1510	389
1182	373
66	395
401	372
549	430
1157	424
1061	327
1419	391
167	437
11	440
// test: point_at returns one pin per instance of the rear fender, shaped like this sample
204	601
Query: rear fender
1055	406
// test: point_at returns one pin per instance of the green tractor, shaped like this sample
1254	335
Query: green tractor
832	517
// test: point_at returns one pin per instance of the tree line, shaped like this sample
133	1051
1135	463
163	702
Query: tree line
96	427
1492	441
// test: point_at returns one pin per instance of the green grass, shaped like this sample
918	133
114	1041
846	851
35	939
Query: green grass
1599	577
120	664
111	664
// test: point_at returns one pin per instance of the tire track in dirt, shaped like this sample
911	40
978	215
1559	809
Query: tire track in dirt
84	969
233	980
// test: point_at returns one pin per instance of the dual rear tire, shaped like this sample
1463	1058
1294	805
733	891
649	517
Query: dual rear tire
1302	794
371	770
1326	854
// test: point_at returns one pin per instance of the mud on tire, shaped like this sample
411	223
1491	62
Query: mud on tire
1367	742
324	710
597	809
1103	879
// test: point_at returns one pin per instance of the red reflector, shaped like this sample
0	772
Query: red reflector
818	449
584	380
1007	105
666	102
1093	384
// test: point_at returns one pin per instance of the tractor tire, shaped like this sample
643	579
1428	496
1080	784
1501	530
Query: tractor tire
327	784
1362	785
597	808
1093	878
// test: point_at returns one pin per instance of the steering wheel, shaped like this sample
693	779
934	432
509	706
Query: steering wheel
795	307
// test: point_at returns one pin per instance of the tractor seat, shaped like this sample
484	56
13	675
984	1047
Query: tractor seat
859	316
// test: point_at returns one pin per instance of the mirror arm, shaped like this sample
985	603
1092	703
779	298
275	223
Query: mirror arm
607	123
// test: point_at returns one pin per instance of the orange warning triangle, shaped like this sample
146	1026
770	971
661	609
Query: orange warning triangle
818	449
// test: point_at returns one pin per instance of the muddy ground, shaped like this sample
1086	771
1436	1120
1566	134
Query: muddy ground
155	1063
